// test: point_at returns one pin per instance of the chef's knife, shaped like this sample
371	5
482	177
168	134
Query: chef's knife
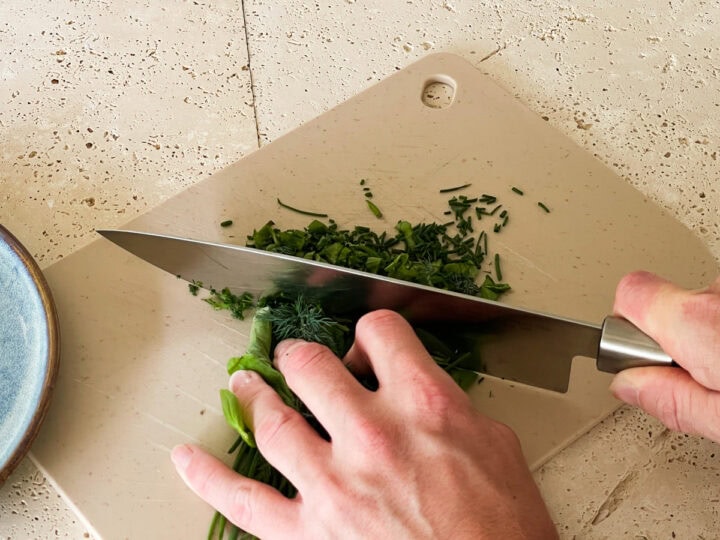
504	341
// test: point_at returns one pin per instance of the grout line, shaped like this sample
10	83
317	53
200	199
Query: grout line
252	80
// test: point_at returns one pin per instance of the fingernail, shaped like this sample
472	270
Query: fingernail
181	456
623	388
241	378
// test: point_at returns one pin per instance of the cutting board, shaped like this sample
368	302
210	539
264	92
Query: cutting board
143	360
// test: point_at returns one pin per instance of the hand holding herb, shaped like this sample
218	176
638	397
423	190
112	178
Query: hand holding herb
412	459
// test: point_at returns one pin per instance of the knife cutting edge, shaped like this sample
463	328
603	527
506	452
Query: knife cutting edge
512	343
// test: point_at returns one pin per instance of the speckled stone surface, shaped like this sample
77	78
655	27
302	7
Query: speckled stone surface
109	109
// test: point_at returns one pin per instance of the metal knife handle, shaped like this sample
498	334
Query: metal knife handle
623	346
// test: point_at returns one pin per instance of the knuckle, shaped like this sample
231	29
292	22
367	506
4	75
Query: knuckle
631	282
436	405
671	408
304	356
380	317
273	427
374	439
241	506
433	403
703	309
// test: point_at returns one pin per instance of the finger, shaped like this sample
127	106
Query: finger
251	505
321	381
282	435
715	286
686	324
387	343
672	396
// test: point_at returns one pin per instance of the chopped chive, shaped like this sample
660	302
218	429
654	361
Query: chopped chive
368	194
496	228
498	207
503	213
366	188
505	220
456	188
498	271
303	212
541	205
478	248
447	213
374	209
362	182
488	199
226	223
518	191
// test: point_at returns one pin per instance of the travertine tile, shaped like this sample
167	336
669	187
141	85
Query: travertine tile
109	108
106	109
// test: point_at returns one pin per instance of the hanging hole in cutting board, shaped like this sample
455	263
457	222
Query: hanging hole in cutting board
439	92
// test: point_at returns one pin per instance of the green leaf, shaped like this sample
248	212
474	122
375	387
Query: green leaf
257	357
264	237
234	417
406	230
491	290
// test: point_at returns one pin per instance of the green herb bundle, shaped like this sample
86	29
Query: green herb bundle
278	317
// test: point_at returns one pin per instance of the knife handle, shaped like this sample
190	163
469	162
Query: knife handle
624	346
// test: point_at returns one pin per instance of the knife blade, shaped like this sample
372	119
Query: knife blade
512	343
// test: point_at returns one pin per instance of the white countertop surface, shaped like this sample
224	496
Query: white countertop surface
109	108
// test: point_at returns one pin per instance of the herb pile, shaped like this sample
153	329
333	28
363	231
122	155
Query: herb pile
448	256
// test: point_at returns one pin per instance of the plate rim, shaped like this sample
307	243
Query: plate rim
53	354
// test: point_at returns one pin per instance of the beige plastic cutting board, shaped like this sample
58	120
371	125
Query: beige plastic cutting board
143	360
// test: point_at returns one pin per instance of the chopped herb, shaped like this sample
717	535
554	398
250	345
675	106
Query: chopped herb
368	194
374	209
362	182
498	271
194	287
491	290
366	189
226	223
237	305
496	227
503	213
541	205
518	191
303	212
487	199
456	188
505	221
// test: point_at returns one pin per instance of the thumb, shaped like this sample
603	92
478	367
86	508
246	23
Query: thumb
672	396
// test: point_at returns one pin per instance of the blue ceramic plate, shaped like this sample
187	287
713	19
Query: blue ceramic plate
28	351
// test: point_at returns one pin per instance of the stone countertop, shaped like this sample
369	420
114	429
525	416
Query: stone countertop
108	109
